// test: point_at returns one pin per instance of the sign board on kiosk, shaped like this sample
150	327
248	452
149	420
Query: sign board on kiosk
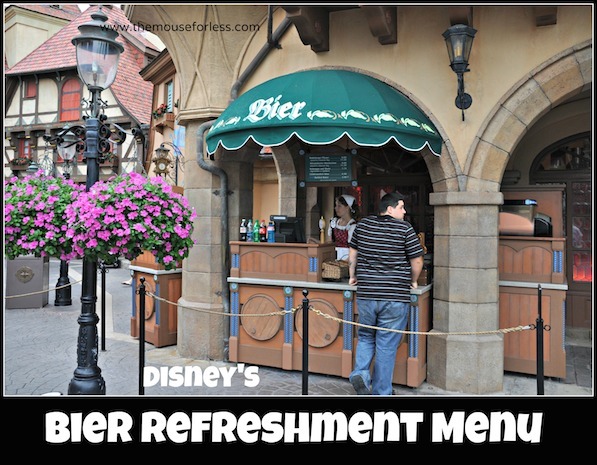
332	167
288	228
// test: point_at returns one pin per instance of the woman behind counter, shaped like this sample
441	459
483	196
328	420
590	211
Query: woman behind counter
342	225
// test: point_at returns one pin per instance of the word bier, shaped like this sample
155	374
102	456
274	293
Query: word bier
272	108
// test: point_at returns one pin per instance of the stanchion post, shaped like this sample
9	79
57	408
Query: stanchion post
305	342
141	316
539	345
102	266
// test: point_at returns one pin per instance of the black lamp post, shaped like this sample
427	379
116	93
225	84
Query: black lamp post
67	149
459	41
97	61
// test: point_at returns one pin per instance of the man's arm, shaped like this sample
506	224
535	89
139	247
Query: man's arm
352	266
416	265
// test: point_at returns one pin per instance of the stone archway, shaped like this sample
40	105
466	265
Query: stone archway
466	289
548	85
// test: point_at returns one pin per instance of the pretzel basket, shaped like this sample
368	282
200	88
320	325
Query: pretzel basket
334	270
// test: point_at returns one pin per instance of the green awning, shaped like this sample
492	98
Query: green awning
319	107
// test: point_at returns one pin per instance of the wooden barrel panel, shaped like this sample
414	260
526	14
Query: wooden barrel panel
261	328
322	331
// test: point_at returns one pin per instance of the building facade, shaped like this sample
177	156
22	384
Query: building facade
166	145
44	95
530	78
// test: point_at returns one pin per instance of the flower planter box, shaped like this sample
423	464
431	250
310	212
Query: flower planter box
19	170
167	119
147	260
27	276
160	316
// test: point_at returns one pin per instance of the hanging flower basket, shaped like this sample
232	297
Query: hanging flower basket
34	215
121	217
128	214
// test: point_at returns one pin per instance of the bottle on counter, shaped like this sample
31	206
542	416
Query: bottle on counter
256	230
250	231
271	232
243	230
262	231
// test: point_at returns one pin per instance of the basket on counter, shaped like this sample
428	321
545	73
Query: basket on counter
334	270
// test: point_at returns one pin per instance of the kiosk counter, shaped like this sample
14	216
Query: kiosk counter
267	281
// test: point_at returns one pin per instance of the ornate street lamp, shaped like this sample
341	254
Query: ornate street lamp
459	41
97	61
66	144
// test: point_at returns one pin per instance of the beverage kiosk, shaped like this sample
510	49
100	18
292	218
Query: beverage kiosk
267	281
531	256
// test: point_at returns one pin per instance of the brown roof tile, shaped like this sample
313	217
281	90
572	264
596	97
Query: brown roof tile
58	53
64	11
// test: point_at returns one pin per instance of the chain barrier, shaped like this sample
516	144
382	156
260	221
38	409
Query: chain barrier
42	291
315	311
340	320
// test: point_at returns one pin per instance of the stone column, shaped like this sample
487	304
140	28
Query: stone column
466	294
202	330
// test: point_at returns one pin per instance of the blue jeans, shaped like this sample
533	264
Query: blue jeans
381	344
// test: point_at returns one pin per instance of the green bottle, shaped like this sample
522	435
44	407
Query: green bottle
256	231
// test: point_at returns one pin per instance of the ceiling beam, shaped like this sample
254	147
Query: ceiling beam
461	15
312	25
382	22
545	15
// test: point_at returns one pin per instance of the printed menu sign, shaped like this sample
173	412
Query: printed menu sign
328	168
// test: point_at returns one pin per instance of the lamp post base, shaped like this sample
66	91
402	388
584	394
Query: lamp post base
87	384
87	378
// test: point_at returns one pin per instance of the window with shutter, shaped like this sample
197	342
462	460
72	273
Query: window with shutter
70	100
169	96
30	89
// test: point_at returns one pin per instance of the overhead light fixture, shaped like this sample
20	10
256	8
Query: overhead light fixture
459	41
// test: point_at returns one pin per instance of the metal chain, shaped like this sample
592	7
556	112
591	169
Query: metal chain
340	320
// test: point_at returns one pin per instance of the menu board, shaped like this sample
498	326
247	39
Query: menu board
328	168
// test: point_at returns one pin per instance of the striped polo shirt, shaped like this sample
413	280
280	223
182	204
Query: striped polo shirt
385	246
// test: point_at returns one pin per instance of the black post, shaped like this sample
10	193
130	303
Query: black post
63	288
539	346
141	317
102	267
87	379
305	343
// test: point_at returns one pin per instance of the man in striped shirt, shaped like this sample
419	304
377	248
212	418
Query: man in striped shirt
385	261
